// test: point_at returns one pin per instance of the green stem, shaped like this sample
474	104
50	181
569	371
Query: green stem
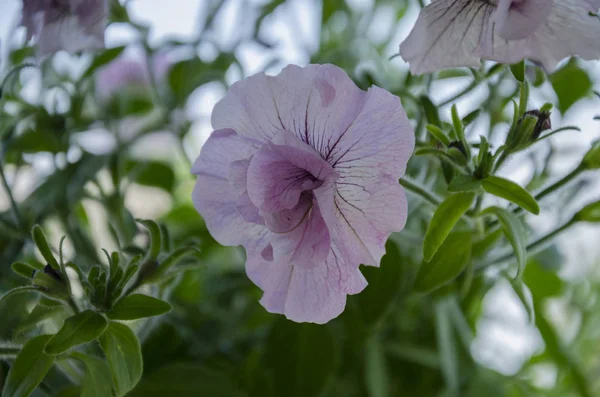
9	351
13	203
550	189
73	305
468	89
532	248
421	191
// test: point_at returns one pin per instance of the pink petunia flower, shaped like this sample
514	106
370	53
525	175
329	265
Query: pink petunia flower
451	33
70	25
302	170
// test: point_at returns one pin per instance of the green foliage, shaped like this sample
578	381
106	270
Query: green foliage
512	192
29	368
97	381
81	328
294	372
443	221
137	306
571	84
123	353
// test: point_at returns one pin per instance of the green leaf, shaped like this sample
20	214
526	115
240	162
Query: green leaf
542	283
459	129
97	381
444	219
181	379
447	349
102	59
137	306
37	315
29	369
522	292
124	355
186	76
377	378
448	262
512	192
155	237
384	286
571	84
171	260
152	173
515	233
464	183
38	139
81	328
296	373
431	111
438	134
23	269
40	240
589	213
18	290
518	70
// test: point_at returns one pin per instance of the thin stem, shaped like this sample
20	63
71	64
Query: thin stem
9	351
73	305
468	89
532	248
13	203
421	191
555	186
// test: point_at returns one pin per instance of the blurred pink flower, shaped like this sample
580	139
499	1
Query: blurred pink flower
70	25
451	33
302	170
127	71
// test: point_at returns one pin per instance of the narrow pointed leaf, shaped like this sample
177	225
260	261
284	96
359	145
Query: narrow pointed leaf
514	232
464	183
29	369
444	219
81	328
137	306
512	192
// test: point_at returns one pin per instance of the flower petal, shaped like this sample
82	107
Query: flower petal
447	34
214	196
517	19
316	294
278	174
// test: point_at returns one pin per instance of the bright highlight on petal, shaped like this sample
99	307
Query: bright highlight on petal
450	33
302	170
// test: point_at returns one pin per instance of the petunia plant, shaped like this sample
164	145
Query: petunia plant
233	213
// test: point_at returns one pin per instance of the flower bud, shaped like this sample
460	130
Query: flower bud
51	282
528	129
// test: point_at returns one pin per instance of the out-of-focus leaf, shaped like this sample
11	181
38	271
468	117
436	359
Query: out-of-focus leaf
448	262
186	76
431	111
541	282
512	192
124	355
29	369
376	371
152	173
102	59
518	70
182	380
38	140
97	381
81	328
571	84
589	213
447	349
296	373
137	306
464	183
384	285
444	219
515	233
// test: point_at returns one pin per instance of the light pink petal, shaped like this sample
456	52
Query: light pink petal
214	196
68	34
316	294
361	217
518	19
249	109
447	34
278	174
570	30
307	245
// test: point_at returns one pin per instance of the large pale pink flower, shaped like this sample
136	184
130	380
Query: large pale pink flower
302	170
451	33
70	25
